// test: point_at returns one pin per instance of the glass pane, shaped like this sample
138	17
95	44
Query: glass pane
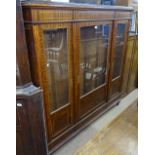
118	50
56	50
93	57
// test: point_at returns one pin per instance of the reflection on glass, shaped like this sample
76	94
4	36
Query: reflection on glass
18	80
93	57
118	50
55	42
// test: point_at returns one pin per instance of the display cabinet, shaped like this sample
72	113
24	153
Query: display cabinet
76	54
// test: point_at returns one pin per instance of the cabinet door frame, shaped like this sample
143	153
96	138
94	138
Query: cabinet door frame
120	77
66	111
76	47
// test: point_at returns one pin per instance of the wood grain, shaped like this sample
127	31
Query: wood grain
131	65
134	68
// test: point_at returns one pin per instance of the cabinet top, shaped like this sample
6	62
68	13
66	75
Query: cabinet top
75	6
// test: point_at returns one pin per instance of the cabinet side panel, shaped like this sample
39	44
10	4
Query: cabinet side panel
127	64
133	69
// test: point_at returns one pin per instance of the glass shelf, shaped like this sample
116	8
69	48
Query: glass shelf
93	39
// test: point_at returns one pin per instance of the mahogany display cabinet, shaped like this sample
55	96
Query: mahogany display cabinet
77	57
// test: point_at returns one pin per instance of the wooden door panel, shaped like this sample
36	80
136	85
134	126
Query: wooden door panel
92	100
54	58
117	58
92	55
116	83
61	120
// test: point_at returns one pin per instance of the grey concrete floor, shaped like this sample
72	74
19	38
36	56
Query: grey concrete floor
85	135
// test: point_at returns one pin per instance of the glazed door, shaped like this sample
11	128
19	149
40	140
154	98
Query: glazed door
55	62
92	53
120	35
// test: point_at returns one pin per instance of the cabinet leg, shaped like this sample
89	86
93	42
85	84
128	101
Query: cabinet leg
118	103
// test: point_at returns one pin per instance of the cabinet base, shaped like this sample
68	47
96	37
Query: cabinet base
83	123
